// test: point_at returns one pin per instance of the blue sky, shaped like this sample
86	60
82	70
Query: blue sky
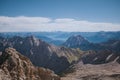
92	11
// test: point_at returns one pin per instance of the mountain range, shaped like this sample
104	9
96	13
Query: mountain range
58	38
41	53
77	58
80	42
99	62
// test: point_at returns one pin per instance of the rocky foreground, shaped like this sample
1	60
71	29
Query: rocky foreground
94	66
14	66
109	71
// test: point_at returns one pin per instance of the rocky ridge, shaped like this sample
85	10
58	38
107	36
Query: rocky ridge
80	71
14	66
76	41
80	42
41	53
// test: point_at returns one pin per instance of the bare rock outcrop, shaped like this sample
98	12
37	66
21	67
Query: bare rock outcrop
14	66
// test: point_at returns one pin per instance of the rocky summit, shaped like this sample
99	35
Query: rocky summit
14	66
76	41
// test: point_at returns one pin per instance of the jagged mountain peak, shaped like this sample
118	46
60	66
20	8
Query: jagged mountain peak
77	37
76	40
33	40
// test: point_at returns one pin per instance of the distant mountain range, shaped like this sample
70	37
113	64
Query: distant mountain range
76	57
58	38
80	42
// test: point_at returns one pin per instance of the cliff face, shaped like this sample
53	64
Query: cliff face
14	66
41	53
101	57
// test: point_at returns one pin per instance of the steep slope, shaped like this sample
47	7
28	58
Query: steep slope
79	42
76	42
42	53
112	44
100	53
100	57
14	66
103	65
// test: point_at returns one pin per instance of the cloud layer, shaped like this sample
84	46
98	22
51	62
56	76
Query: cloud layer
31	24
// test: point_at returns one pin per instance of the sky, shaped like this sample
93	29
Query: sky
59	15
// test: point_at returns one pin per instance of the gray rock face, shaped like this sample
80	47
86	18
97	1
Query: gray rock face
76	41
79	42
103	65
43	54
101	57
14	66
109	71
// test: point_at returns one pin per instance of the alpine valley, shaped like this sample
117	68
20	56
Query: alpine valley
60	55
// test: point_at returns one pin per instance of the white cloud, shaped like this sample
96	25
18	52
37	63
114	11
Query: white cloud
22	23
64	20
